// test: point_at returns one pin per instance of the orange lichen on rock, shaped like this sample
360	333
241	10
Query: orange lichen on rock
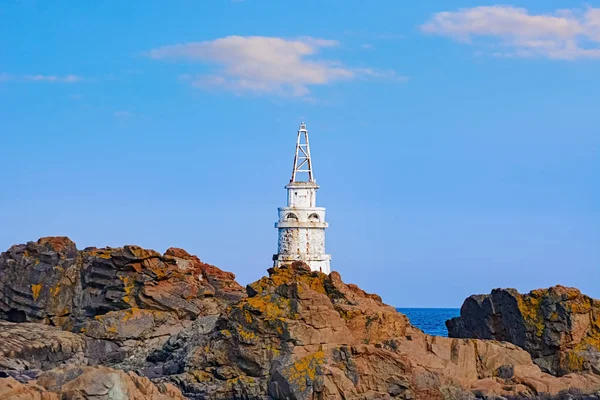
304	371
558	326
529	306
35	290
57	243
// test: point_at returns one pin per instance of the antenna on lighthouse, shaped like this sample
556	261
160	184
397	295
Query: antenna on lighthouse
302	161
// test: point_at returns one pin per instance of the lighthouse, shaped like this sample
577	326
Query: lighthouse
301	224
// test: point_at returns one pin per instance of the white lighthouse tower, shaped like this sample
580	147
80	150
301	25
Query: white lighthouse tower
302	224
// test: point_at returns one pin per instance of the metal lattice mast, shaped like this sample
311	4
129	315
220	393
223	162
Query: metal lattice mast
302	157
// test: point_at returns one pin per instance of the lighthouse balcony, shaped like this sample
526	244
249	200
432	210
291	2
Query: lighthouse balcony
301	214
301	224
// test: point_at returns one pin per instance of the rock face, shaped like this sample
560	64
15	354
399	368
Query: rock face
296	334
97	383
132	297
28	349
559	326
307	335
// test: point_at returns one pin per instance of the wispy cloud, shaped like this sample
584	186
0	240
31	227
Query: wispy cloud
41	78
385	74
53	78
561	34
263	65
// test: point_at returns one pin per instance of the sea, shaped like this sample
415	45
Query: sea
430	320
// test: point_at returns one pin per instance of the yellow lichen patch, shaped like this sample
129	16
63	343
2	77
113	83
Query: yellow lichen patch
574	362
128	283
141	253
246	335
317	284
579	306
133	313
100	253
111	329
348	314
35	290
128	287
304	371
592	339
160	269
285	276
248	316
226	333
269	306
239	383
529	305
201	376
272	350
55	290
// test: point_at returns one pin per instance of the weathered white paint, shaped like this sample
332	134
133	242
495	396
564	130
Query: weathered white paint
302	224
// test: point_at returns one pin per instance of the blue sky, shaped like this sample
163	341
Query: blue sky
456	142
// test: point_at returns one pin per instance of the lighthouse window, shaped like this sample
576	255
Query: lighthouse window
292	216
314	218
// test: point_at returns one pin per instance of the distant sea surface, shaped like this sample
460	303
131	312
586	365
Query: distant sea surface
430	320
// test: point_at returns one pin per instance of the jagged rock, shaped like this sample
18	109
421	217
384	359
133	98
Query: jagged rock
28	349
97	383
559	326
298	334
305	335
130	296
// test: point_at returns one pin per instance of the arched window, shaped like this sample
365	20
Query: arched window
291	217
314	218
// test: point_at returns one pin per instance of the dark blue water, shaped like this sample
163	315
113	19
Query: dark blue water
430	320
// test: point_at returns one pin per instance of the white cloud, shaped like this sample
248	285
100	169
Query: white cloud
258	64
53	78
562	34
388	74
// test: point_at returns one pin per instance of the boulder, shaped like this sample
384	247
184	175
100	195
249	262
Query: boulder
559	326
97	383
28	349
130	296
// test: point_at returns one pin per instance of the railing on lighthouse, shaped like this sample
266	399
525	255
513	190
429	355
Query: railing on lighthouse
302	161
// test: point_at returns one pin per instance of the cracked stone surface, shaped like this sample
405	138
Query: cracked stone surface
558	326
133	298
171	320
306	335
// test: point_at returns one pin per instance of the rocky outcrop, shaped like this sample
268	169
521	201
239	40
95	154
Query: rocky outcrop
97	383
559	326
132	297
27	349
305	335
172	320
